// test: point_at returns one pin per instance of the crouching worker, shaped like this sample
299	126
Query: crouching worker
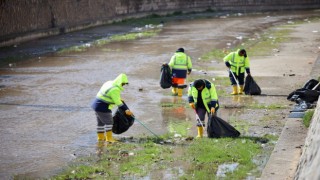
105	100
181	66
203	98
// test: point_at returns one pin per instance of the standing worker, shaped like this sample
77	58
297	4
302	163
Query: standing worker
237	62
203	98
180	64
106	98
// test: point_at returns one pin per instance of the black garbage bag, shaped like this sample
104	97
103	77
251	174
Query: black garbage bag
251	87
312	84
218	128
121	122
309	92
302	94
165	77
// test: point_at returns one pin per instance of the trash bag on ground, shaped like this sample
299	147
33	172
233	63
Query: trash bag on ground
302	94
309	92
165	77
312	84
121	122
251	87
218	128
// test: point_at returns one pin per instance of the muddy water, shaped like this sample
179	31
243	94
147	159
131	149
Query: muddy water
46	120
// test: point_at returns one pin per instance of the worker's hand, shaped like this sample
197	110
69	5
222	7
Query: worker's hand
192	105
189	72
249	74
213	110
129	113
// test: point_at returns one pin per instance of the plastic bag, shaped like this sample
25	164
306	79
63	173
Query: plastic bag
165	77
218	128
309	92
251	87
121	122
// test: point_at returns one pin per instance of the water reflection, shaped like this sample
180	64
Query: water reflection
175	116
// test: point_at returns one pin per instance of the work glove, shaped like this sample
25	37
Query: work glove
213	110
192	105
128	112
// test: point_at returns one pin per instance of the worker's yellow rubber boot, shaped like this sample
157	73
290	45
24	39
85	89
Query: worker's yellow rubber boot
101	136
110	138
200	132
174	91
241	89
234	90
180	92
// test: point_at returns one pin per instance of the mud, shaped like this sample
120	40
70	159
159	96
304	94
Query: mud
46	120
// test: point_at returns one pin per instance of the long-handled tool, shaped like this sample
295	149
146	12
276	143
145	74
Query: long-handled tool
198	119
234	77
147	128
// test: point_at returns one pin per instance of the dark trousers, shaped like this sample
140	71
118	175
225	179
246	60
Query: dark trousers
240	78
202	113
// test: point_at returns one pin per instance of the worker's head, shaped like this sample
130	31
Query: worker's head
242	52
199	84
180	50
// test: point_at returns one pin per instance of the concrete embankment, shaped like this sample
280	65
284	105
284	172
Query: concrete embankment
287	160
310	160
309	165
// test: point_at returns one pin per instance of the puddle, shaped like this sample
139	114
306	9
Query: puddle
226	168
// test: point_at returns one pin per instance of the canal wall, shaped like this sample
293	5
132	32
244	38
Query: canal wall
23	20
309	164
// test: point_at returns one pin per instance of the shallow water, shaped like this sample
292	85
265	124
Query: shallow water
46	120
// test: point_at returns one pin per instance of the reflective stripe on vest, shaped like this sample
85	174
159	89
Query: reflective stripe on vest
206	97
237	65
183	65
104	97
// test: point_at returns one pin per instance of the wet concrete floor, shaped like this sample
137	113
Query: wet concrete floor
46	120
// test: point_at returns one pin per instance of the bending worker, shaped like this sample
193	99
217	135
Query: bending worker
203	98
237	62
106	99
180	65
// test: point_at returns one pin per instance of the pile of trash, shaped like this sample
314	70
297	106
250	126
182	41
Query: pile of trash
307	96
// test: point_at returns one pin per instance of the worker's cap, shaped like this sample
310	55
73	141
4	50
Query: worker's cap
180	50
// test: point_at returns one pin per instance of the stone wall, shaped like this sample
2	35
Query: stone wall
309	166
21	20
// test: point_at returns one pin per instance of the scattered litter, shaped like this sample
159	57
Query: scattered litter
239	37
275	50
315	31
225	168
296	114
